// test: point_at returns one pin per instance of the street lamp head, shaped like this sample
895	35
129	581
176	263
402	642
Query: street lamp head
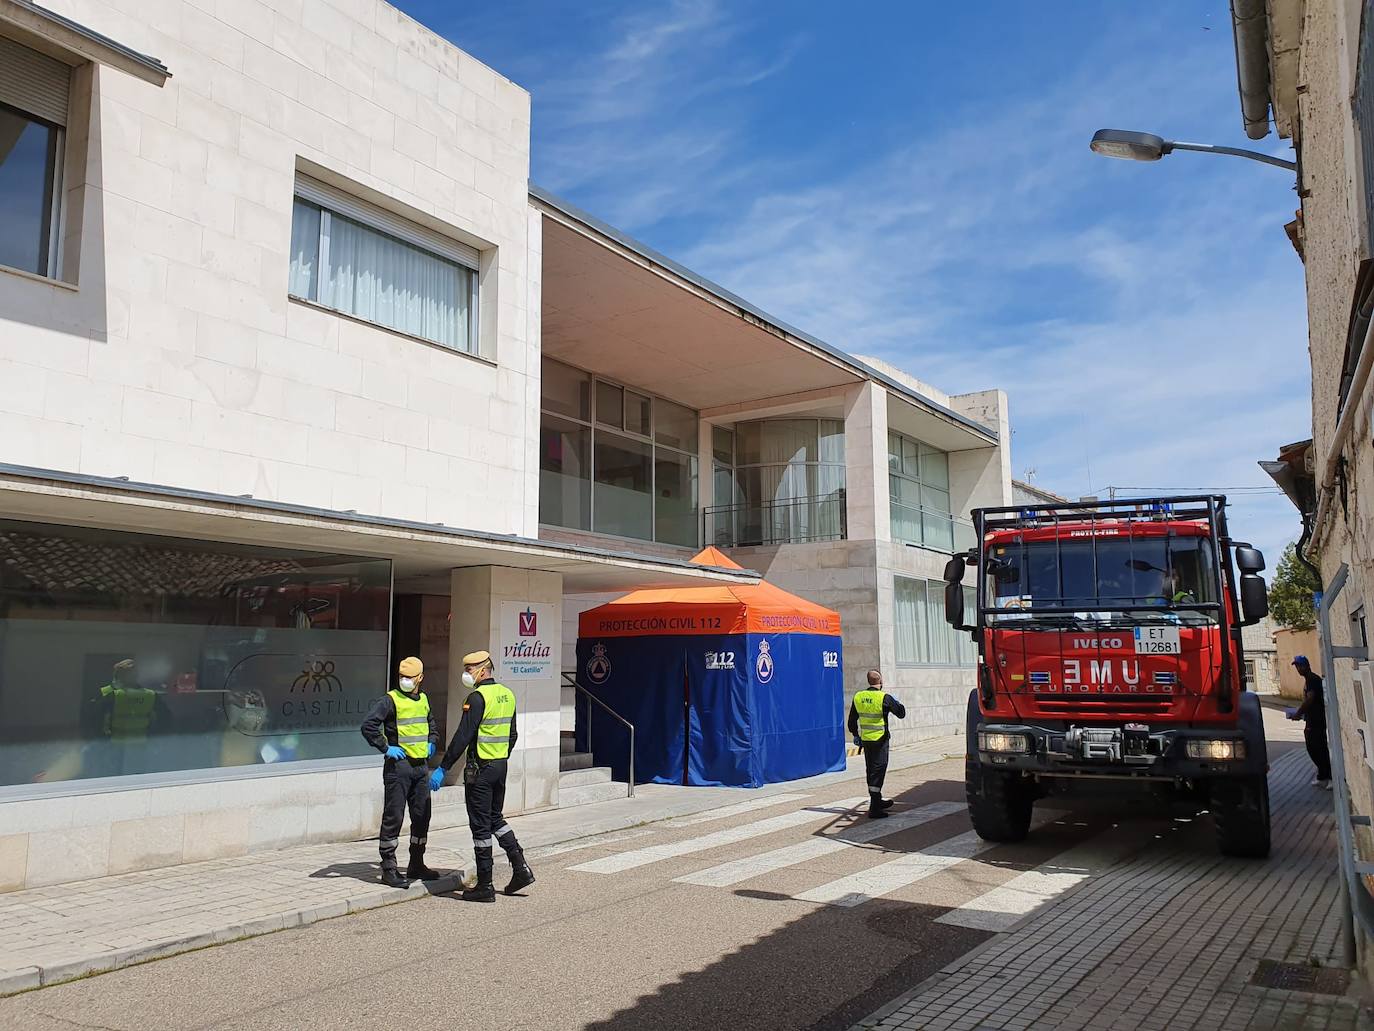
1129	146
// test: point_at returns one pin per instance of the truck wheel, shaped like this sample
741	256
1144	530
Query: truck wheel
999	803
1240	809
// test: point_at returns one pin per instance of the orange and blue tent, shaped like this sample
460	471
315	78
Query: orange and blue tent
729	684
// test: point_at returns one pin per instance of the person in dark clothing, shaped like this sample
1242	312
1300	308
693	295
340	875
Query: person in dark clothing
487	734
1313	710
868	715
401	726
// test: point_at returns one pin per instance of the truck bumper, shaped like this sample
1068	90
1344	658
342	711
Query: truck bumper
1132	751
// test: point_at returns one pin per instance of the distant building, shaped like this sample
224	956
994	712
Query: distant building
1023	493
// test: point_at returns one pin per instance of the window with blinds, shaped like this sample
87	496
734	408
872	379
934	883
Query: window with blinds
34	93
370	264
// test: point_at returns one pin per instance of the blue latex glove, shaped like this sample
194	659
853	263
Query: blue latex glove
395	752
436	779
431	748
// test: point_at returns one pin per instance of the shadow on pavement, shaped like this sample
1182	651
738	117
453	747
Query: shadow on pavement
370	873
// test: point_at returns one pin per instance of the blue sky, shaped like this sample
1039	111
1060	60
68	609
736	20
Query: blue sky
913	181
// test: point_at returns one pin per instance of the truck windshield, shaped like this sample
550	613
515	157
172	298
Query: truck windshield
1157	576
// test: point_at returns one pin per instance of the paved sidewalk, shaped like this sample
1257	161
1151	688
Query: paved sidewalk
58	933
1169	939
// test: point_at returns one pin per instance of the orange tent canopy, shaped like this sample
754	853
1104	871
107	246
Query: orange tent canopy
718	609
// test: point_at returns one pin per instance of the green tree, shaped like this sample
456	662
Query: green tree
1290	593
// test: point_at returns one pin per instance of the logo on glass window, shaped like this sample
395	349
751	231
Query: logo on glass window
529	623
598	666
317	676
763	665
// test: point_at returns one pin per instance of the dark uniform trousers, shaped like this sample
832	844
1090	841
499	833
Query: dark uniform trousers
405	783
1318	749
875	766
484	790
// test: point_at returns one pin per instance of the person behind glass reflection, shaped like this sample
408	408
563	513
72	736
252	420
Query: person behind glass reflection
401	726
125	713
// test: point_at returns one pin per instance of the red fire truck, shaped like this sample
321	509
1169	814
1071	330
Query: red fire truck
1109	644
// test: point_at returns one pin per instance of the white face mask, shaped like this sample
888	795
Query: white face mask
408	685
468	680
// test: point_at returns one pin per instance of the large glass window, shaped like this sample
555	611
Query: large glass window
788	484
918	482
616	461
125	654
923	636
29	153
342	263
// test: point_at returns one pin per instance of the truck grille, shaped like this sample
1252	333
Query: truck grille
1058	705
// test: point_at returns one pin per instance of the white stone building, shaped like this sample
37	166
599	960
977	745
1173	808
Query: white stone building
299	374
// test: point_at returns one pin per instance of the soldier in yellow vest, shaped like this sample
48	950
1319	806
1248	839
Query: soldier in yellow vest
401	726
868	723
487	733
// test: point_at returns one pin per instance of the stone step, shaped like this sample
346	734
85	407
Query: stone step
575	761
583	777
585	794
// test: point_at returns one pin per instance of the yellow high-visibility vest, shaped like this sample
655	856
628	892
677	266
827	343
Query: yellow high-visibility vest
132	713
412	723
498	716
869	706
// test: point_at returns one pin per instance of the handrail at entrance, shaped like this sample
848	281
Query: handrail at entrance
571	680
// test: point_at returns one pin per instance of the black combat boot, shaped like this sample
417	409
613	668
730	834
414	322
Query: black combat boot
885	803
417	871
392	878
484	891
521	874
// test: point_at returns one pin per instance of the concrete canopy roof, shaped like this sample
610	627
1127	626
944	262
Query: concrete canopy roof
73	43
614	306
416	549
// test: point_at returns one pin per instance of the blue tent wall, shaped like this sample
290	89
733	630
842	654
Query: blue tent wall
744	729
643	683
797	714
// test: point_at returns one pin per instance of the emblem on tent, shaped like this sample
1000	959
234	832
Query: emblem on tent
598	666
763	666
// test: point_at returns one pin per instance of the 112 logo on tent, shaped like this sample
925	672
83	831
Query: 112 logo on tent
720	660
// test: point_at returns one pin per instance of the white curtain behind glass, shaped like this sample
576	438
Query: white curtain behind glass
305	250
383	280
910	611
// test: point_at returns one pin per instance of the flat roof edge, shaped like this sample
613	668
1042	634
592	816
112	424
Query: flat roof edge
141	60
122	484
542	195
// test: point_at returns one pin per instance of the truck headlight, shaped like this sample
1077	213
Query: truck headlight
996	742
1220	750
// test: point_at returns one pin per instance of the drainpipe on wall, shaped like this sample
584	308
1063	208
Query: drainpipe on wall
1250	24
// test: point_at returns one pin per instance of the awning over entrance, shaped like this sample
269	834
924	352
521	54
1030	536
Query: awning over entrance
416	549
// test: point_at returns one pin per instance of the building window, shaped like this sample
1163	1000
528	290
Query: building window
1250	674
778	481
33	114
367	263
126	654
918	481
923	636
616	461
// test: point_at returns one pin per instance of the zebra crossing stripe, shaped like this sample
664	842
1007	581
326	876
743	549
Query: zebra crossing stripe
623	861
790	855
1001	907
885	878
733	810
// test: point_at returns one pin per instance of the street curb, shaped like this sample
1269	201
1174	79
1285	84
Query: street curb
25	979
28	978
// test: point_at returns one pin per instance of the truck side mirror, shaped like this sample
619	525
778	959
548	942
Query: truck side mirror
954	604
1248	559
954	569
1254	598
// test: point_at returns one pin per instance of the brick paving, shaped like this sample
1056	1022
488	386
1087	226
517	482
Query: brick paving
1169	939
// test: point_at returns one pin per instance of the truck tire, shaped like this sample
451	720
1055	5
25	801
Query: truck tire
1240	809
999	803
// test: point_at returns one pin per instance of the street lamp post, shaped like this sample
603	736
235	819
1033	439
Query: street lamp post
1146	146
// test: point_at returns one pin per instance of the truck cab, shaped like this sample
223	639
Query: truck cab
1109	639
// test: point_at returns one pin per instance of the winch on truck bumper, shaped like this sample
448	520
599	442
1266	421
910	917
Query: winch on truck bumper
1129	750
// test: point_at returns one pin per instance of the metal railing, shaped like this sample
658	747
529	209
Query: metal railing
787	521
927	528
570	679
